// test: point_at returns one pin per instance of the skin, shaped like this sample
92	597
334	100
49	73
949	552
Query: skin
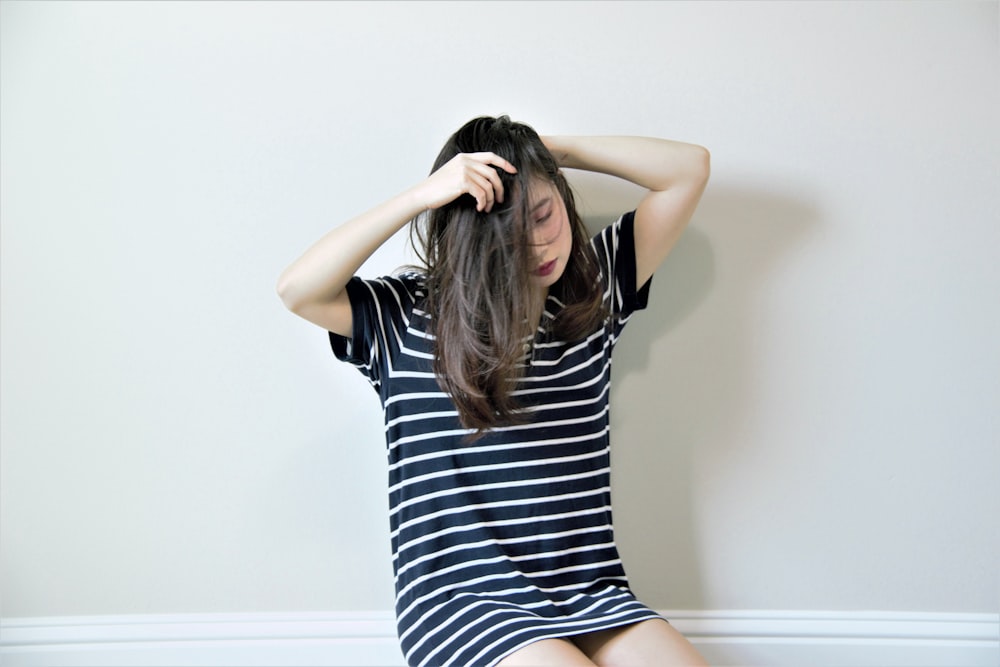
674	175
652	643
313	287
552	238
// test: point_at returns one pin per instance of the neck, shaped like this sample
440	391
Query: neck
538	306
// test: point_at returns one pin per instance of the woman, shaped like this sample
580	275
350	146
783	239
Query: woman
492	364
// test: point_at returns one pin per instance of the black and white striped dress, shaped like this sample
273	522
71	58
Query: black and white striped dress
508	539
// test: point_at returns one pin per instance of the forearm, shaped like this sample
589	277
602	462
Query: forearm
323	271
655	164
674	173
318	278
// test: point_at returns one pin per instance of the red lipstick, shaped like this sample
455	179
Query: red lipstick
545	269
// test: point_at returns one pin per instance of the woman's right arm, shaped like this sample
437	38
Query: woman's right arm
312	287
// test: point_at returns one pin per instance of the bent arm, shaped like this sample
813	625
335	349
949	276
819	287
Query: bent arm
675	173
313	286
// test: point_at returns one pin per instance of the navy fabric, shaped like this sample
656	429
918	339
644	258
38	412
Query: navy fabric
507	539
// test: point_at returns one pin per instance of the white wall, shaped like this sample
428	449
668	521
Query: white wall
806	418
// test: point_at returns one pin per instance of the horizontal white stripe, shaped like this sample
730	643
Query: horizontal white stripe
598	377
571	404
511	522
598	417
570	351
559	629
418	333
504	465
417	416
498	596
510	540
424	395
421	395
591	361
486	487
472	583
475	562
540	363
432	436
395	375
416	354
456	632
534	409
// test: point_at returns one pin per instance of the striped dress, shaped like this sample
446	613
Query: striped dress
508	539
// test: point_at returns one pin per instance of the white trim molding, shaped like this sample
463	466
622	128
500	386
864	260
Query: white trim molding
368	639
842	639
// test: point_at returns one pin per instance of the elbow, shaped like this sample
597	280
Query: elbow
702	164
287	292
688	168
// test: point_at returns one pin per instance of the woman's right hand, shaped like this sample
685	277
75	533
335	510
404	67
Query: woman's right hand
474	174
313	286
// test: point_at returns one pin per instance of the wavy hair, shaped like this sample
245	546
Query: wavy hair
478	265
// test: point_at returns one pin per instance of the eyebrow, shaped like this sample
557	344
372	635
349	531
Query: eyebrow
541	204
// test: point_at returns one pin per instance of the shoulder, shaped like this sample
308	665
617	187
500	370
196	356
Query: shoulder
616	257
617	236
406	285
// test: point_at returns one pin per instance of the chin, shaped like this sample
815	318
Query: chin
549	280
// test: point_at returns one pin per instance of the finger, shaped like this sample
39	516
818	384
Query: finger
495	160
493	179
477	182
479	193
489	197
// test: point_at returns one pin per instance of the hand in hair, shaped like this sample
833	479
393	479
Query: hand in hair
467	173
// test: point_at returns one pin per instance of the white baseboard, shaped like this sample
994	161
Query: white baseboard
368	639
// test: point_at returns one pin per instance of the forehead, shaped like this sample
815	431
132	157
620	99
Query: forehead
541	191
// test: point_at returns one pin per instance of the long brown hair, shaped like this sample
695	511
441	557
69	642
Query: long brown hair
478	265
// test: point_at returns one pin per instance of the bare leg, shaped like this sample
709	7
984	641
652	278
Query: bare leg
547	653
652	643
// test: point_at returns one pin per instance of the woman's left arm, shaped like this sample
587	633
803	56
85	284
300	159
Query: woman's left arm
675	174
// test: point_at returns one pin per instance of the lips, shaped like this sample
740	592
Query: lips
545	269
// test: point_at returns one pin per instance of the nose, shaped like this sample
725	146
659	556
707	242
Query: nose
539	251
540	239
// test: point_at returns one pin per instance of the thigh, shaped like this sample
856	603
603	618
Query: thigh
547	653
652	643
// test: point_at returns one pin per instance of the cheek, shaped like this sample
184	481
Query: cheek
567	235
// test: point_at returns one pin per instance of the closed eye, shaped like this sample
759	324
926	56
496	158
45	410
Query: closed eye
545	204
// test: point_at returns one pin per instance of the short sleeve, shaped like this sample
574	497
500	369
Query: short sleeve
380	311
615	249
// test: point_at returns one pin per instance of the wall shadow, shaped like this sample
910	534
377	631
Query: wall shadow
683	376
